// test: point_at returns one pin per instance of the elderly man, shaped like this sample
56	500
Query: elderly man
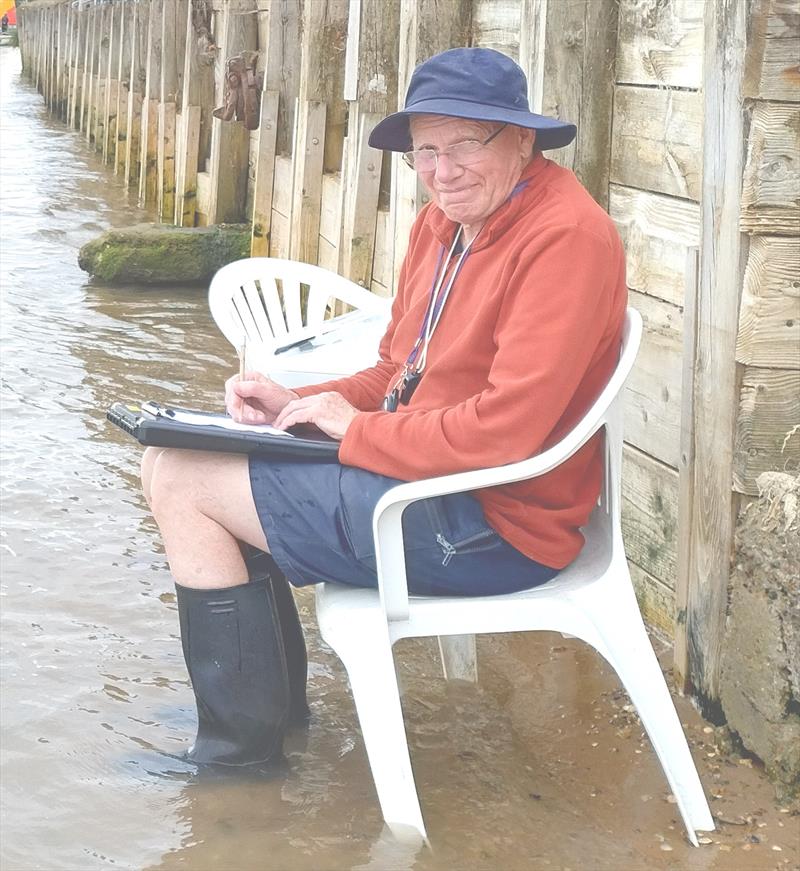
506	326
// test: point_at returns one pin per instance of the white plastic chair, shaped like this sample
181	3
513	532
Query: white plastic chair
592	599
275	303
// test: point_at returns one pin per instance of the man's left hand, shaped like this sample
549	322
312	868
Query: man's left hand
331	412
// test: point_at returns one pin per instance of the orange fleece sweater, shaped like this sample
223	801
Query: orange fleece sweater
529	336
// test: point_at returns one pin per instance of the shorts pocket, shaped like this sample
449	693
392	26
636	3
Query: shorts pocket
459	535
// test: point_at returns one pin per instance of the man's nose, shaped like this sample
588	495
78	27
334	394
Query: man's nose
446	168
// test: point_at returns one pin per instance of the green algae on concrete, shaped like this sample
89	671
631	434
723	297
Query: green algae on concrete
163	254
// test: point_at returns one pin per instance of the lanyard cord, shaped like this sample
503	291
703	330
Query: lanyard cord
438	298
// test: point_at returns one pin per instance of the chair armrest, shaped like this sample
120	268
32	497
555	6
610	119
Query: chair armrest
387	518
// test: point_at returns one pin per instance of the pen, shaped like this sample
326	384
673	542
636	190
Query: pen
242	352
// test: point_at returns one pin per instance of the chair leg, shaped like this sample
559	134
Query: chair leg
459	657
632	656
367	656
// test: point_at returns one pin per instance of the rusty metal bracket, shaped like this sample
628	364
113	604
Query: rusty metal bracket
242	90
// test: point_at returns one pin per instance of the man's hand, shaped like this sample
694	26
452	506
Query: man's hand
331	412
255	399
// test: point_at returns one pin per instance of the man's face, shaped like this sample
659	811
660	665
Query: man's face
469	194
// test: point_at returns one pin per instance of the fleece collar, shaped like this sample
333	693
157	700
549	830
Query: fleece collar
529	190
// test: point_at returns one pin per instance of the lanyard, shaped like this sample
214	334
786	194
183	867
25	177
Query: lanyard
438	297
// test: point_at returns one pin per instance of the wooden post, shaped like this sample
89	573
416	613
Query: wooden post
148	173
372	92
569	53
320	120
167	110
91	95
88	21
715	396
265	174
424	32
123	81
75	87
110	92
686	469
197	99
135	90
230	140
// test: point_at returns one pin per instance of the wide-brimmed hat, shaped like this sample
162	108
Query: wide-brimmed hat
476	83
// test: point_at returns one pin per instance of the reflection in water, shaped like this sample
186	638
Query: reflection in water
523	771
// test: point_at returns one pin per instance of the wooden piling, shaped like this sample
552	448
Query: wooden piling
230	142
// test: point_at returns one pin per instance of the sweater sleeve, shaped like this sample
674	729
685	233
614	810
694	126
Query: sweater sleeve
553	317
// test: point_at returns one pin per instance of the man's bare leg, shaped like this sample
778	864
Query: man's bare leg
230	628
204	507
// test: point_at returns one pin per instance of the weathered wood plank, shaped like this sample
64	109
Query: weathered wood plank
230	140
148	155
265	174
653	390
656	231
657	139
307	163
330	220
656	601
424	31
650	514
167	110
772	70
496	24
769	316
717	311
578	86
686	467
771	188
767	436
660	43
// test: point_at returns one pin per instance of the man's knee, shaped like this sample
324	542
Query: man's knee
168	479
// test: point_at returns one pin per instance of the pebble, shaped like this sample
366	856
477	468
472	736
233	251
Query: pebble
666	848
777	849
671	799
705	840
708	730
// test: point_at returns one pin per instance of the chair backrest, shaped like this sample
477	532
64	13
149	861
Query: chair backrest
268	300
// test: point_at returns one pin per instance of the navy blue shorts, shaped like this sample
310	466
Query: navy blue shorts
317	518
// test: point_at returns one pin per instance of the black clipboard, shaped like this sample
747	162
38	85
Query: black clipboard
161	426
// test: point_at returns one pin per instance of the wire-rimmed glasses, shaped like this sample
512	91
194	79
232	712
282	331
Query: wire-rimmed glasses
462	153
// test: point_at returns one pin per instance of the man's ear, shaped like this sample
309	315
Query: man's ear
527	138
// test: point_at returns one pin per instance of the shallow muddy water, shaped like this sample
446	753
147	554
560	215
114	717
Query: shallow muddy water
541	765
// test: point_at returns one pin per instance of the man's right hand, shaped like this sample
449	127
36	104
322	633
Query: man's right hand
255	399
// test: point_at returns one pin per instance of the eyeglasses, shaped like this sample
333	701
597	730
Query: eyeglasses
462	153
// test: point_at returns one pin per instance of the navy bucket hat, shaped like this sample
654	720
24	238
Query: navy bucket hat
476	83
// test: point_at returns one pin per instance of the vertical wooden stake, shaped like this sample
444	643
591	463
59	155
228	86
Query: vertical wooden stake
686	470
265	174
715	395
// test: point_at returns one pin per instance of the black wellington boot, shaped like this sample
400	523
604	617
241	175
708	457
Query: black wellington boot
260	564
234	654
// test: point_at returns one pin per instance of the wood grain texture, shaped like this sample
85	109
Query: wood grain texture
656	602
660	43
496	24
715	395
653	390
657	140
769	316
578	86
264	174
656	232
767	438
771	188
650	514
772	71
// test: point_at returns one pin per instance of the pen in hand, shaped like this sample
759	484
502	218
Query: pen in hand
242	352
